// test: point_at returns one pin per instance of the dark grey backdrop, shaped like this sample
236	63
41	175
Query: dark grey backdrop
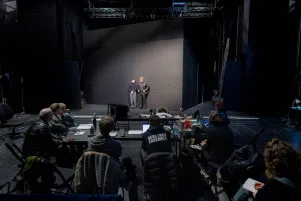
115	55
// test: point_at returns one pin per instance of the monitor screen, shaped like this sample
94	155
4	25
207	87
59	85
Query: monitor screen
145	127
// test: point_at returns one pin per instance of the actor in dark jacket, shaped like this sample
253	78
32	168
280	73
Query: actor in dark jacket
143	91
220	141
133	93
103	142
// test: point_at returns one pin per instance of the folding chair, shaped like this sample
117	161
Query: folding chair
4	185
15	150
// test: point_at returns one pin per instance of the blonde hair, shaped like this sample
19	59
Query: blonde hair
142	78
55	106
63	106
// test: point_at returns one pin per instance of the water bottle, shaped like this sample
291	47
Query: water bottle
94	121
202	120
175	129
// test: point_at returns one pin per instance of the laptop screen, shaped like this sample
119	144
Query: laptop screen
145	127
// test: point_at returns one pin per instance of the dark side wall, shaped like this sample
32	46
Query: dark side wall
197	61
268	72
114	56
50	42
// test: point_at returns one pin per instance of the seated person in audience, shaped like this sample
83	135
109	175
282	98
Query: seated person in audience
283	170
103	142
39	140
155	139
220	141
57	125
67	118
220	108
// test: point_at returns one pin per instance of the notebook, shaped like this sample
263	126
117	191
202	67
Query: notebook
145	127
79	133
135	132
84	126
249	185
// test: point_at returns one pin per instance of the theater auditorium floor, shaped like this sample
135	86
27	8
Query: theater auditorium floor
244	128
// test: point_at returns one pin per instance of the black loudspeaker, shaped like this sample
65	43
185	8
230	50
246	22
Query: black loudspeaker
118	112
72	96
6	113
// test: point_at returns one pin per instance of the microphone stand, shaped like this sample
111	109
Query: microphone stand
22	95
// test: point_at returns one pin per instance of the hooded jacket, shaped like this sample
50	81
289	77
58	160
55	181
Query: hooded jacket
106	145
156	139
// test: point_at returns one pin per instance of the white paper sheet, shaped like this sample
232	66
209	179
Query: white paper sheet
113	134
79	133
135	132
249	185
84	126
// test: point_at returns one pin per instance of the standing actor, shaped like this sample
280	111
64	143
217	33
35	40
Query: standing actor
133	93
143	90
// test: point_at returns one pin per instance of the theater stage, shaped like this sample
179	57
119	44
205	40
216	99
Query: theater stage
245	127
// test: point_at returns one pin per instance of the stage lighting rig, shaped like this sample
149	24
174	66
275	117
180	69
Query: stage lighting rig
175	11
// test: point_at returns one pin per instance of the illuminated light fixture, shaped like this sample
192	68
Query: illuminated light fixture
178	3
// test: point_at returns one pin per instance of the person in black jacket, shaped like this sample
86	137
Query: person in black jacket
283	170
133	93
143	91
219	145
155	139
39	141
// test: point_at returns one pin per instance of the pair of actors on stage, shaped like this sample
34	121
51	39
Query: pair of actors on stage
140	90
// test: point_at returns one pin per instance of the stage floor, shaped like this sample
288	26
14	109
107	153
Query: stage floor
245	127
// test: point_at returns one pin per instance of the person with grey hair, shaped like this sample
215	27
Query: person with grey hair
39	140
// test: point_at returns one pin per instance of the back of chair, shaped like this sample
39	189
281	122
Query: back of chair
161	177
234	169
97	172
14	149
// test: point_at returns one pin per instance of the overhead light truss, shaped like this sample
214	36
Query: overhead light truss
152	16
191	12
184	10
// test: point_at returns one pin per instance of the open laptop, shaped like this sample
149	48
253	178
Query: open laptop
145	127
